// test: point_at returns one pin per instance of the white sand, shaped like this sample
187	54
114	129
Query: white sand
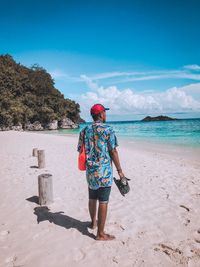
156	224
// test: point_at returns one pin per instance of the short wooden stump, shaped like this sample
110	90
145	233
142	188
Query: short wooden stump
45	189
41	159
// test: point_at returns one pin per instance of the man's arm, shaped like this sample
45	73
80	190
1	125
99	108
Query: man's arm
115	157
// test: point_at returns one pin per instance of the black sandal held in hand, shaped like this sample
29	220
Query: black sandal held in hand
122	185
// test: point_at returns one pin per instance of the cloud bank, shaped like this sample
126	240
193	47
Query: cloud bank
192	67
126	101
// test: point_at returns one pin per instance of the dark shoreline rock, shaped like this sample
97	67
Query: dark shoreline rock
53	125
11	128
65	123
17	127
158	118
36	126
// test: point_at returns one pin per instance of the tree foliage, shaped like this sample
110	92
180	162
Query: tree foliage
28	95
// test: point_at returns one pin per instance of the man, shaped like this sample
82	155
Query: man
100	143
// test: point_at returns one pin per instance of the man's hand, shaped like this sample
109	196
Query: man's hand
121	174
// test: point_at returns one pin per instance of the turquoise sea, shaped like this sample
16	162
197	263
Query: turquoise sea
184	132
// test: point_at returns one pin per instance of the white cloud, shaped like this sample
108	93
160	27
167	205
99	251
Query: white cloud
189	76
136	74
106	75
61	75
116	77
58	74
92	85
177	75
128	102
192	88
188	72
148	77
192	67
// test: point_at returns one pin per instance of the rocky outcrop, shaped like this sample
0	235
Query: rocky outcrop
52	125
4	128
12	128
17	127
36	126
158	118
66	123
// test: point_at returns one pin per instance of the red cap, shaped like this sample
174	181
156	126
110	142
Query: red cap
97	108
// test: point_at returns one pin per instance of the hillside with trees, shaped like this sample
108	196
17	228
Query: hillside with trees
28	96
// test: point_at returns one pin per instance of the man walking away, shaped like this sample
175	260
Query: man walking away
100	143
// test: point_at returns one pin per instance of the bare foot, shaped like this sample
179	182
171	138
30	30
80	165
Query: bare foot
105	237
92	225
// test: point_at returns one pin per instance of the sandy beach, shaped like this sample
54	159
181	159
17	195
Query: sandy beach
156	224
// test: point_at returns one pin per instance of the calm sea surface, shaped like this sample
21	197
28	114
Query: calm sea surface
185	132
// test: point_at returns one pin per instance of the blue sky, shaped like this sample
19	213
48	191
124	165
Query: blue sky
137	57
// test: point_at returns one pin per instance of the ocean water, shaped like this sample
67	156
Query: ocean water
184	132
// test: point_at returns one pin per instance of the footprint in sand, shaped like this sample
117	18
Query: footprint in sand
197	236
194	259
4	234
78	255
187	221
193	262
184	216
175	254
184	207
36	236
11	259
196	195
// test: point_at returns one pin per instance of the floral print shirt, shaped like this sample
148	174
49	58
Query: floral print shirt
99	139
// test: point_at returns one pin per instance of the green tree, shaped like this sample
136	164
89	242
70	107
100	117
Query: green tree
28	94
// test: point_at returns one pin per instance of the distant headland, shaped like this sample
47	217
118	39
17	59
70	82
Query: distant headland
158	118
29	101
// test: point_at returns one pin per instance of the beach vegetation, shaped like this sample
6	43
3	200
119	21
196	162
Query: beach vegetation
29	94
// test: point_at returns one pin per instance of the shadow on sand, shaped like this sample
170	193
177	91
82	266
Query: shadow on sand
58	218
34	199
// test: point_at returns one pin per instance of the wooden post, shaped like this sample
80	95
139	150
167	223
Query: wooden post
41	159
45	188
35	152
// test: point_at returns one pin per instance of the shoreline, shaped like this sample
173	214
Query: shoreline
183	152
189	152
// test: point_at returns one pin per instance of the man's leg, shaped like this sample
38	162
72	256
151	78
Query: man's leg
92	210
102	213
